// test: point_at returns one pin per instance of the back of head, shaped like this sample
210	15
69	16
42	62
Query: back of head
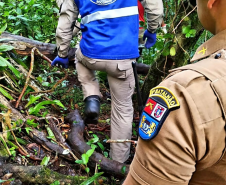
212	14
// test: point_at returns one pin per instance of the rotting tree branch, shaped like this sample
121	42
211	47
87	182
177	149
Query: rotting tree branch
39	175
78	144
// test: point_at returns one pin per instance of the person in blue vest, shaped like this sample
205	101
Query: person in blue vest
109	43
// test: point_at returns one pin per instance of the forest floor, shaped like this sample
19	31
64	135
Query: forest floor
69	93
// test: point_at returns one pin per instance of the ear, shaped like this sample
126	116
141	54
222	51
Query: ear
210	3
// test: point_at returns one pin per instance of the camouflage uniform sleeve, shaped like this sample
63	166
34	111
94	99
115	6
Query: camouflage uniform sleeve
154	11
68	16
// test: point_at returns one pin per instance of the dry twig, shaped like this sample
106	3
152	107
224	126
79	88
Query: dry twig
29	73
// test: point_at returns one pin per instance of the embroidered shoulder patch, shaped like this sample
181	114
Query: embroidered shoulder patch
158	106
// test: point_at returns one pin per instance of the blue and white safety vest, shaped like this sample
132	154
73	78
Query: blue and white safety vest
110	28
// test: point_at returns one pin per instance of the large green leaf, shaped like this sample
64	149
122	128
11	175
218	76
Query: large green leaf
2	4
90	152
3	29
37	108
55	183
91	179
5	48
45	161
5	93
4	62
85	159
33	99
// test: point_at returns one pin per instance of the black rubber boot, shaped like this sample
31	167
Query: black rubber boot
92	107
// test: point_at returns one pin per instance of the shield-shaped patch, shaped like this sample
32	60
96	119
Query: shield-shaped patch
158	106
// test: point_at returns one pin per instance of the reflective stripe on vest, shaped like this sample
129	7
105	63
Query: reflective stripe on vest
108	14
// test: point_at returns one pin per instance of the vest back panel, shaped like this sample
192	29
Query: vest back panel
109	38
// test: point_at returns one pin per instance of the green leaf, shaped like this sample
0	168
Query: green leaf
3	29
185	29
5	48
46	84
39	79
105	154
28	129
2	4
91	179
21	141
85	159
31	123
90	152
31	2
5	93
101	146
50	133
55	10
79	161
4	62
166	52
3	141
93	140
37	108
192	32
188	35
87	169
172	51
1	181
168	36
123	170
45	113
16	31
45	161
33	99
56	183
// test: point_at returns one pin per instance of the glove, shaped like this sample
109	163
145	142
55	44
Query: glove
151	39
64	62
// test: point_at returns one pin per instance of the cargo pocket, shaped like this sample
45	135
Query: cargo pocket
124	69
119	70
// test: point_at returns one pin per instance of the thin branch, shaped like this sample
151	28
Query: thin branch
28	77
121	141
55	86
2	77
30	71
184	18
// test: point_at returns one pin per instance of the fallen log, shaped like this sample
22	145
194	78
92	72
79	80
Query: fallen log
39	175
77	143
23	46
41	139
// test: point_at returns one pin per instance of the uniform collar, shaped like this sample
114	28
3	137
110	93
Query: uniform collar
211	46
